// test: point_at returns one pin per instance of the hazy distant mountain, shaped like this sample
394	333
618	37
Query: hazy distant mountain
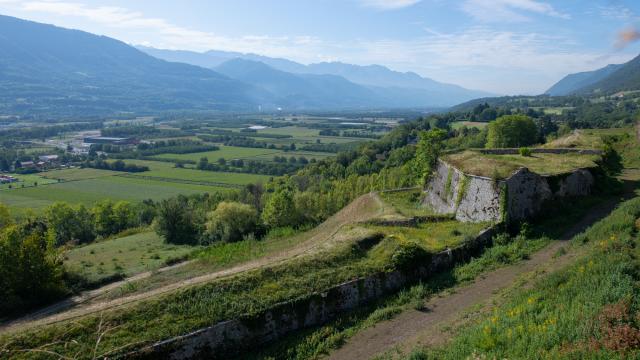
214	58
395	88
300	90
47	68
573	83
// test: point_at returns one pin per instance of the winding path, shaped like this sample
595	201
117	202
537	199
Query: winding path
363	208
424	327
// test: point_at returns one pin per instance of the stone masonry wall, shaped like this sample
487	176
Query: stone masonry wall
229	338
477	199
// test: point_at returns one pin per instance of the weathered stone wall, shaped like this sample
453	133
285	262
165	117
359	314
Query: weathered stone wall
470	198
232	337
477	199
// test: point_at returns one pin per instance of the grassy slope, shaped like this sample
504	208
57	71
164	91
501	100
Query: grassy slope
187	310
588	310
127	255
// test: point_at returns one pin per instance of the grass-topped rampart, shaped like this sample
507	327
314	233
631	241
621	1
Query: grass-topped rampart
502	166
372	249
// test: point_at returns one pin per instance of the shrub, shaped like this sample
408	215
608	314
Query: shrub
525	151
512	131
231	221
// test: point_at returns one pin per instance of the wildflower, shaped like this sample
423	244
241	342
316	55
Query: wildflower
530	300
494	319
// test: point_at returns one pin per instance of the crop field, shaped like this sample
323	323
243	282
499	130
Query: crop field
225	152
89	191
235	152
295	131
166	171
78	174
124	256
28	180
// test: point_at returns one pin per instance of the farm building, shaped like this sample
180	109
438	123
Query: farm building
110	140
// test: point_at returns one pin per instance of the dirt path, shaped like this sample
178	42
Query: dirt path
414	327
364	208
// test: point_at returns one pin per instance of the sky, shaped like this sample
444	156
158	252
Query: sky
501	46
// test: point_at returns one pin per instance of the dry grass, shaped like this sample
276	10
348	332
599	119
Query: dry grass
579	139
502	166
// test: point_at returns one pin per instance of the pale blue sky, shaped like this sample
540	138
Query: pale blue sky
503	46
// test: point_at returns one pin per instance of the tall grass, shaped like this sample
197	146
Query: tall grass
589	310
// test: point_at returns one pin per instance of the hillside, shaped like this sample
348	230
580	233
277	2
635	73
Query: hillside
47	68
626	78
574	82
393	88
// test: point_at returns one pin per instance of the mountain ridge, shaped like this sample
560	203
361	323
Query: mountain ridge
401	85
573	83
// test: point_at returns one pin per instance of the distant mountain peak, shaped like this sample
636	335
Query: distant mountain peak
399	88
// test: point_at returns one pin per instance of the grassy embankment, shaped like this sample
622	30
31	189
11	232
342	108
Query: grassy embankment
586	311
250	292
124	256
507	250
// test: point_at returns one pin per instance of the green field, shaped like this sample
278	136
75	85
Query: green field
125	256
26	181
475	124
90	191
78	174
225	152
295	131
87	186
166	170
235	152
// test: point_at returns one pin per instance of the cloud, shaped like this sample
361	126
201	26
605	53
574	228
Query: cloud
617	12
508	10
477	57
388	4
136	27
480	57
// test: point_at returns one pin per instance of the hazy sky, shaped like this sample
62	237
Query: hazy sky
503	46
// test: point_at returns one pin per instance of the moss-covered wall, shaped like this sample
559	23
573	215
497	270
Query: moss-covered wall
479	199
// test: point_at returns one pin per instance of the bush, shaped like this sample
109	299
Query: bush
525	151
231	221
512	131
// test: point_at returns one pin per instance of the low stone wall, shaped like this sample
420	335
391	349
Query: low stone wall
515	151
414	221
231	338
478	199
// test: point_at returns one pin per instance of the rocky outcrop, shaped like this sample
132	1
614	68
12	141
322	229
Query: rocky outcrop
478	199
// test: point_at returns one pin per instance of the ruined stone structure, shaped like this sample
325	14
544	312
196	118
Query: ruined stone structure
474	198
232	337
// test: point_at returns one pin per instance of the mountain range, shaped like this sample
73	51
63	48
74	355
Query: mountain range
52	70
386	87
607	80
